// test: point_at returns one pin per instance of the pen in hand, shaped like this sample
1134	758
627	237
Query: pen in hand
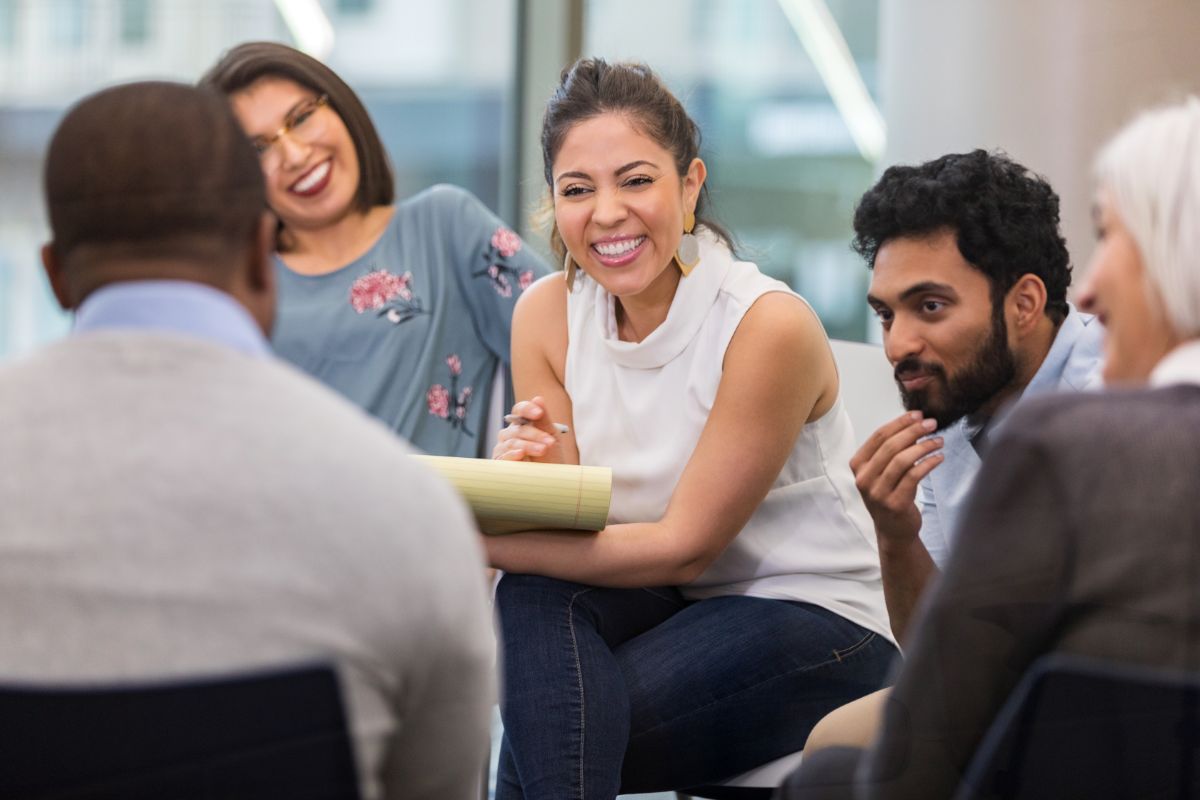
514	419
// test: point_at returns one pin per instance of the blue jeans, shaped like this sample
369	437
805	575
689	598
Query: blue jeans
639	690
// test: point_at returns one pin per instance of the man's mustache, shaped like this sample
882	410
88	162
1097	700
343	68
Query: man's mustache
911	368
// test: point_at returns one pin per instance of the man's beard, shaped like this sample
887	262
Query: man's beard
992	369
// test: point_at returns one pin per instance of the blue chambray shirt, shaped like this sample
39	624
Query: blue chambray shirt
183	307
1072	364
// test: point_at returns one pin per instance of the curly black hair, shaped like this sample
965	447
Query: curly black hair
1005	219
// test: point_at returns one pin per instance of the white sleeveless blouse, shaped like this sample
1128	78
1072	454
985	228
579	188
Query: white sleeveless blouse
640	408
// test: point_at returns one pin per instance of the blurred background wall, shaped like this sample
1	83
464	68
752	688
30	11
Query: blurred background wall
802	102
1046	80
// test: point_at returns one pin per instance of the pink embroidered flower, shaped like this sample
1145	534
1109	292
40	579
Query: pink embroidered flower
506	241
405	292
460	408
500	281
526	279
374	289
455	364
438	399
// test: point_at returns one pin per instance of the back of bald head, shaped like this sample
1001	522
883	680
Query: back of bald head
156	174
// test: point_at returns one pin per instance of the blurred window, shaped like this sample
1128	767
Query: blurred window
436	77
135	22
68	22
8	23
784	170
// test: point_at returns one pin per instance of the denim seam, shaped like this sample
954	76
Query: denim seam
838	658
854	648
579	682
668	600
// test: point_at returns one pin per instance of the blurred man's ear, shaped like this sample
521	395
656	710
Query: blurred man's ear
1027	299
54	273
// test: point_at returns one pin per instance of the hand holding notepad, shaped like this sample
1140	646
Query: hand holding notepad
511	496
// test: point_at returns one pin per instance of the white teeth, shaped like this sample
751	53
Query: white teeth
618	248
312	178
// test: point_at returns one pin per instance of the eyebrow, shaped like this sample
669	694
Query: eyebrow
287	117
618	172
300	104
924	287
634	165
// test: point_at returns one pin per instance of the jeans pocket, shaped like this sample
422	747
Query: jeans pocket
844	653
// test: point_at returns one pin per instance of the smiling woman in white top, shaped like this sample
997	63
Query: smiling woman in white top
735	594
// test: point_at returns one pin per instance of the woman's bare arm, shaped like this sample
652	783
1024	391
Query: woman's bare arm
778	374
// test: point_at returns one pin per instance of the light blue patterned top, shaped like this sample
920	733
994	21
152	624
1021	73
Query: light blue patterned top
414	330
1072	364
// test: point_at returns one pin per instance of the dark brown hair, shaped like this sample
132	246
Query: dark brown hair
246	63
591	87
155	168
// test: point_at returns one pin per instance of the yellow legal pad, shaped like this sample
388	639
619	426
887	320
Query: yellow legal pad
511	496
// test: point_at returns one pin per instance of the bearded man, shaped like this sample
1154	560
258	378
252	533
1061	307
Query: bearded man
969	282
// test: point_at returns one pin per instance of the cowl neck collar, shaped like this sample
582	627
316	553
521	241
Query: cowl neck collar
693	300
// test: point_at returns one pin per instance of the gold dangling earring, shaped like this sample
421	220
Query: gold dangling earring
687	255
569	268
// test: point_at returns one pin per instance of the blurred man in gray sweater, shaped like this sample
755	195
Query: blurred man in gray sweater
177	503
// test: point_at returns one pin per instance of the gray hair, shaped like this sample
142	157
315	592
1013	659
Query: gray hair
1152	170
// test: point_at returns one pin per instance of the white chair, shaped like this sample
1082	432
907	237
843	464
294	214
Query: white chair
868	387
497	408
869	393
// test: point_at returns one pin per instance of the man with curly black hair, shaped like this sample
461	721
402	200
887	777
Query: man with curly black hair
970	278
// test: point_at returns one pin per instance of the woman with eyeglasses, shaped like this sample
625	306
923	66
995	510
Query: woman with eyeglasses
405	308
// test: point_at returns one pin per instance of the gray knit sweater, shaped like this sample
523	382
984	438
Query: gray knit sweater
170	507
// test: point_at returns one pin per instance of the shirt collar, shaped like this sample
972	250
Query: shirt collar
1051	371
184	307
1181	365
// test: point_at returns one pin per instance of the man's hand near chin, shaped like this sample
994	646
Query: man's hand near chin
888	468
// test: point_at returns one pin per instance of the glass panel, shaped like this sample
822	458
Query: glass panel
784	169
9	12
135	21
68	23
436	77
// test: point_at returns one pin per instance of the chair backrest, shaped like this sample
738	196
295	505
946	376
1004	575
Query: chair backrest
1077	727
270	734
498	405
867	387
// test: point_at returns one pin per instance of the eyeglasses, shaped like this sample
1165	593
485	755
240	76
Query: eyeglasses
303	124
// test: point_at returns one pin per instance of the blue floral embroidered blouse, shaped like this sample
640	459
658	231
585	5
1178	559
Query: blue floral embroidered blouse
414	330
